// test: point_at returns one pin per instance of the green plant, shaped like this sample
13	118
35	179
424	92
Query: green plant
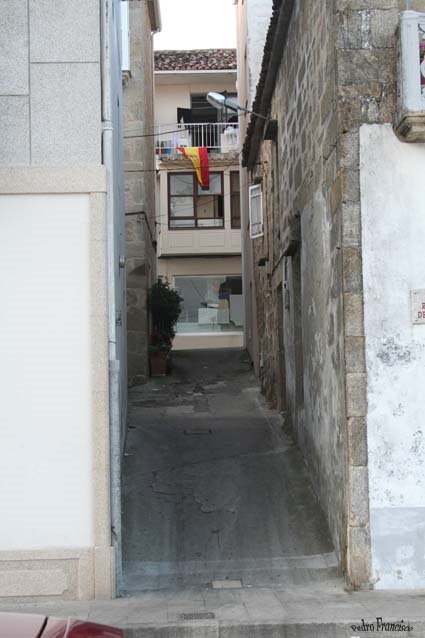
165	305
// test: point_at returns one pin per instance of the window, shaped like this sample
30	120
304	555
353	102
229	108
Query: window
210	304
190	206
255	211
235	200
202	112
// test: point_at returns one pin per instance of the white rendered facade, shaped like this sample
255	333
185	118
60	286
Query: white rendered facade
201	258
63	371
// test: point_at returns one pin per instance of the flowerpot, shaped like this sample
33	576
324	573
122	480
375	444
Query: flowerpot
158	363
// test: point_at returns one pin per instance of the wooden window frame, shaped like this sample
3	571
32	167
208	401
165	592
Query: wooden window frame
195	196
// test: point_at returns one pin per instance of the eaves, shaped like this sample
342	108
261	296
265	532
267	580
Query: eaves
274	48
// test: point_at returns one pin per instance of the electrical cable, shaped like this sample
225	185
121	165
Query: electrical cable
130	136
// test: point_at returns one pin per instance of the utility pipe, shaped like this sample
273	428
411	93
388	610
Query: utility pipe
106	30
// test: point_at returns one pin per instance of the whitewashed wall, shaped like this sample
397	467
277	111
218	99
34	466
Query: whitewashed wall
258	19
393	230
45	410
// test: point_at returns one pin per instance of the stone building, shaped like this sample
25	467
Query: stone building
141	21
253	19
336	234
63	344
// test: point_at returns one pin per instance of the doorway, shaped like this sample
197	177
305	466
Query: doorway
281	390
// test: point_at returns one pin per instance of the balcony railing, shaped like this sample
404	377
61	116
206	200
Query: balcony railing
219	137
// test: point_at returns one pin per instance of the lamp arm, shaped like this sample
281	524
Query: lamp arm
241	108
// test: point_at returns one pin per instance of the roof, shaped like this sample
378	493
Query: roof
196	60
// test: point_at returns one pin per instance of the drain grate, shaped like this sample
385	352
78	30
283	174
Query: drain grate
201	615
197	431
226	584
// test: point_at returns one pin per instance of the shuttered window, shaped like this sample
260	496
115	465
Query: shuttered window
255	211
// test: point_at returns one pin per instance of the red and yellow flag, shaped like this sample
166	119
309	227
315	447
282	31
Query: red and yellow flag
198	155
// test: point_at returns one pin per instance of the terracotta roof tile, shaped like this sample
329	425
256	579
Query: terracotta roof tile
196	60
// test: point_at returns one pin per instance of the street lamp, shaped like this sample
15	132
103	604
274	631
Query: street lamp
219	101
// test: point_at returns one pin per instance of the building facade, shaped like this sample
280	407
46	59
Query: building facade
335	230
198	231
63	348
141	21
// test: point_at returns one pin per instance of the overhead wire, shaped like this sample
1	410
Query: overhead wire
183	125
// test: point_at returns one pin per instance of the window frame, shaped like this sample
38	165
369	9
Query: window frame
195	196
256	188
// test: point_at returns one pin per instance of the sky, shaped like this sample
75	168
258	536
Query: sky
197	24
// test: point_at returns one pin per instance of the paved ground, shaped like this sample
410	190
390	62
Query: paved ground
233	504
213	489
309	612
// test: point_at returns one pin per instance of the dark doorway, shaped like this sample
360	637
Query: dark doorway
293	339
281	393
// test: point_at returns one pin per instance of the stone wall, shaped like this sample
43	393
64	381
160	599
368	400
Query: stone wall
50	83
302	257
337	72
139	188
366	94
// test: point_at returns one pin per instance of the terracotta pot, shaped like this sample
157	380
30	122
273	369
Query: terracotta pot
158	363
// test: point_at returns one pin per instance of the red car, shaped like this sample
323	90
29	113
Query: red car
29	626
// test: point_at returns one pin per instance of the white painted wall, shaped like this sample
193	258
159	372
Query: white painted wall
258	14
393	229
45	409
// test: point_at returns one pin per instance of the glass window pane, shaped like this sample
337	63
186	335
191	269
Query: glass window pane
210	223
181	184
209	207
181	206
215	185
235	203
210	304
182	223
234	182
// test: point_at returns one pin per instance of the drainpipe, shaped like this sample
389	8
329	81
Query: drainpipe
114	363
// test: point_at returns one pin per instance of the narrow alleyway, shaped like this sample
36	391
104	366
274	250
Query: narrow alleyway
213	488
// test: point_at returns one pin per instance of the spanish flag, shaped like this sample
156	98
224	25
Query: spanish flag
198	155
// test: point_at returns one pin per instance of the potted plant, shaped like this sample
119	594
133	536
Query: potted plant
165	306
159	351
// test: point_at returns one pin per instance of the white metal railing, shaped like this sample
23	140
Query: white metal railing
219	137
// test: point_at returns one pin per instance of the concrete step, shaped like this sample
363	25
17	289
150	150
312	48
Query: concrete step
290	571
323	611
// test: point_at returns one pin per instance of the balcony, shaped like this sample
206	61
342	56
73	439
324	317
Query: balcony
219	138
